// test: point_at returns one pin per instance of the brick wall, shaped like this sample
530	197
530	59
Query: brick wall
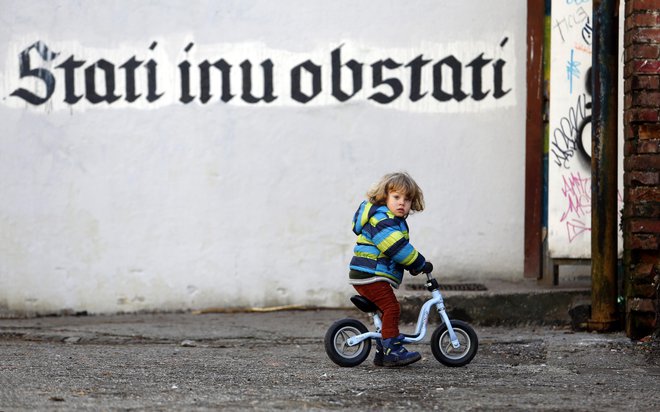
641	215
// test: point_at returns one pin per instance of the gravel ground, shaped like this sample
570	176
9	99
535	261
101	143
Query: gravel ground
271	361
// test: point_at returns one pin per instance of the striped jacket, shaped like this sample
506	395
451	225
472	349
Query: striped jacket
382	251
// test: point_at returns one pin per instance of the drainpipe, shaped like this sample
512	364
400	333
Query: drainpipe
604	167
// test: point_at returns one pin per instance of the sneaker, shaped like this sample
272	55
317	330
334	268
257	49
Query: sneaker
394	354
378	359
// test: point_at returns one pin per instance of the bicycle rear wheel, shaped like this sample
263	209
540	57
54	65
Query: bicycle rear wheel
337	348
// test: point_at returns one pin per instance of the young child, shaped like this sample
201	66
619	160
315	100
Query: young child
382	253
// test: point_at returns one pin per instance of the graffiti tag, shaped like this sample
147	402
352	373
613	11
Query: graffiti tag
563	144
565	24
577	192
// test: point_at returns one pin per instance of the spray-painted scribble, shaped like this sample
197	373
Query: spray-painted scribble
563	140
572	70
577	191
575	228
565	25
577	214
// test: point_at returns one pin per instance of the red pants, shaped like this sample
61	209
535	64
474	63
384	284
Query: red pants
382	295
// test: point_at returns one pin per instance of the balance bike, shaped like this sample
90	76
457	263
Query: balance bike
454	343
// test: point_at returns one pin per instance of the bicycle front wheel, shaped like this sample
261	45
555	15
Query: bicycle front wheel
445	352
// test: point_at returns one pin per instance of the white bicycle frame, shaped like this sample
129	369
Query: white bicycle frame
422	322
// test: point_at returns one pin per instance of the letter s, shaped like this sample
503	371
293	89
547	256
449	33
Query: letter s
43	74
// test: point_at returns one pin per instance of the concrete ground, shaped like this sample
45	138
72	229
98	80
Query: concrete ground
276	361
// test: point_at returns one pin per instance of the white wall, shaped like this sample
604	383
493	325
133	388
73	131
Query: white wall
165	205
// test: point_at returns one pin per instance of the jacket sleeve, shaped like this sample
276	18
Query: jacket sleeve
391	241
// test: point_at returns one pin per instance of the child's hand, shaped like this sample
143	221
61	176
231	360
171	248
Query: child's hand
427	268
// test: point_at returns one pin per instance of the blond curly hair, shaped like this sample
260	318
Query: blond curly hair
397	182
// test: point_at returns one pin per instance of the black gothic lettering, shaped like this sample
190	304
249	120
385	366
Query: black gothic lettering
247	96
356	71
386	87
497	74
152	95
184	69
456	69
395	84
205	80
130	66
90	83
477	65
416	77
69	66
296	88
497	79
26	70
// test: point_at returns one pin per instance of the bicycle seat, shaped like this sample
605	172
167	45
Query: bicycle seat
364	304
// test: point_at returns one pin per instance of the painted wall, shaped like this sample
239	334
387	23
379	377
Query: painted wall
176	155
569	150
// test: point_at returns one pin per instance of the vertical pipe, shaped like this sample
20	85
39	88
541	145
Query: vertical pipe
604	167
534	141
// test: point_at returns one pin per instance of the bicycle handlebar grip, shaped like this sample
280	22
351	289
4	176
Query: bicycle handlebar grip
428	267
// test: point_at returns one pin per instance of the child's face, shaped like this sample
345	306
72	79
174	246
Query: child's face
398	203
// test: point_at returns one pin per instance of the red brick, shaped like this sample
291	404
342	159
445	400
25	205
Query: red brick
645	225
647	146
642	270
644	20
637	178
649	257
646	82
644	194
627	38
648	131
645	66
628	210
642	51
642	115
643	290
642	5
646	209
643	162
640	305
646	242
646	35
646	98
629	148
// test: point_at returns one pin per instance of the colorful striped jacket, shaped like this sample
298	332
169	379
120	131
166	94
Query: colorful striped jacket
382	251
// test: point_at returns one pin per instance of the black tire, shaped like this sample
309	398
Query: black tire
445	353
335	343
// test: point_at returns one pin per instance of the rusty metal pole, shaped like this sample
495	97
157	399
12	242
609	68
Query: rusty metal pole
604	167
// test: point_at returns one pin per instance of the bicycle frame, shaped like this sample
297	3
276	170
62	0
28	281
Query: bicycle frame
422	321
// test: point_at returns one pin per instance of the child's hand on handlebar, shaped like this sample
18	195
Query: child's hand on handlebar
427	268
